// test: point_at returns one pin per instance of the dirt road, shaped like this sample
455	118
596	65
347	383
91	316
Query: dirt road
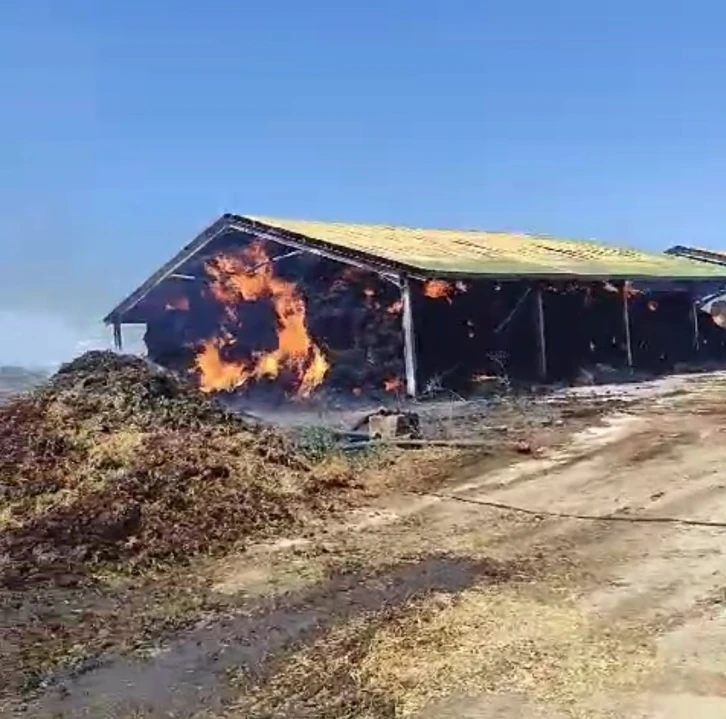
584	582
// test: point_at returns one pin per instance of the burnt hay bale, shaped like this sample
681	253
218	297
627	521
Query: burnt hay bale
116	461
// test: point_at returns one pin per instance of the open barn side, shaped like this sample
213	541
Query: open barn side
260	308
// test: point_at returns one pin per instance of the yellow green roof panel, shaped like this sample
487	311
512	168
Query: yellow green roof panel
465	253
468	252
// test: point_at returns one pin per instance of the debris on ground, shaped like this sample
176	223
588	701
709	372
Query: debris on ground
114	460
386	423
330	677
395	424
125	495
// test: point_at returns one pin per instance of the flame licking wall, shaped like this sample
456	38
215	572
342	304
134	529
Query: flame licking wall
255	316
242	279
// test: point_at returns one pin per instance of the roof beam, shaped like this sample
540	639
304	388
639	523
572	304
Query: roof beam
693	253
265	232
385	267
168	269
233	223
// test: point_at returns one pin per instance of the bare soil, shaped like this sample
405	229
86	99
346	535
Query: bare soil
579	573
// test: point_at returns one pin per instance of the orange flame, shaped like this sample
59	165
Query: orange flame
268	366
394	385
247	276
314	374
178	303
438	290
218	374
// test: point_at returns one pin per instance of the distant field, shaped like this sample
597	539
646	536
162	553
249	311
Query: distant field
14	380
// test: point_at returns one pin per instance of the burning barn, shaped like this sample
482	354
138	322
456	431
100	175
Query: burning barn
287	308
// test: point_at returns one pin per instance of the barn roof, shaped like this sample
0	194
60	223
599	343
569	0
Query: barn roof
711	257
443	253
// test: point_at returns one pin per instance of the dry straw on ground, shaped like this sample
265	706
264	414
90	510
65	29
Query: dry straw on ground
484	642
498	642
115	461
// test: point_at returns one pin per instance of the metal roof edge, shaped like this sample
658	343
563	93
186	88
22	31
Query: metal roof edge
198	243
326	249
230	221
374	263
696	254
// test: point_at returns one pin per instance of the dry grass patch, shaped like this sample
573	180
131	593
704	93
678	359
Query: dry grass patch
319	682
498	641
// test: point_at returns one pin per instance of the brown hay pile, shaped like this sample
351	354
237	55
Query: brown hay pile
113	461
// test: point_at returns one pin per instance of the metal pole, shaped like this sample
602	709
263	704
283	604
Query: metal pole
696	333
626	322
409	339
118	337
541	341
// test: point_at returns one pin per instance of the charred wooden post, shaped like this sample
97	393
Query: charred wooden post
540	328
118	340
409	339
694	317
626	323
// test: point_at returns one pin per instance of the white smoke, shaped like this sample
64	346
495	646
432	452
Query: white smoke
45	340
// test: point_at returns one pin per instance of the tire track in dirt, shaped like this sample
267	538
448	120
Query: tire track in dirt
648	579
190	673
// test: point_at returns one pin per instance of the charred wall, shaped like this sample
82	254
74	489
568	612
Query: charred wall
663	333
584	326
473	330
490	329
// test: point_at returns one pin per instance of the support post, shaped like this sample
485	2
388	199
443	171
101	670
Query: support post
409	338
696	333
626	322
540	326
117	337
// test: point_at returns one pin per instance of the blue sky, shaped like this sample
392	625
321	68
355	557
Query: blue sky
128	126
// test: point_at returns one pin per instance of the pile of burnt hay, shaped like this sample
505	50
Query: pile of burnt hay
113	462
